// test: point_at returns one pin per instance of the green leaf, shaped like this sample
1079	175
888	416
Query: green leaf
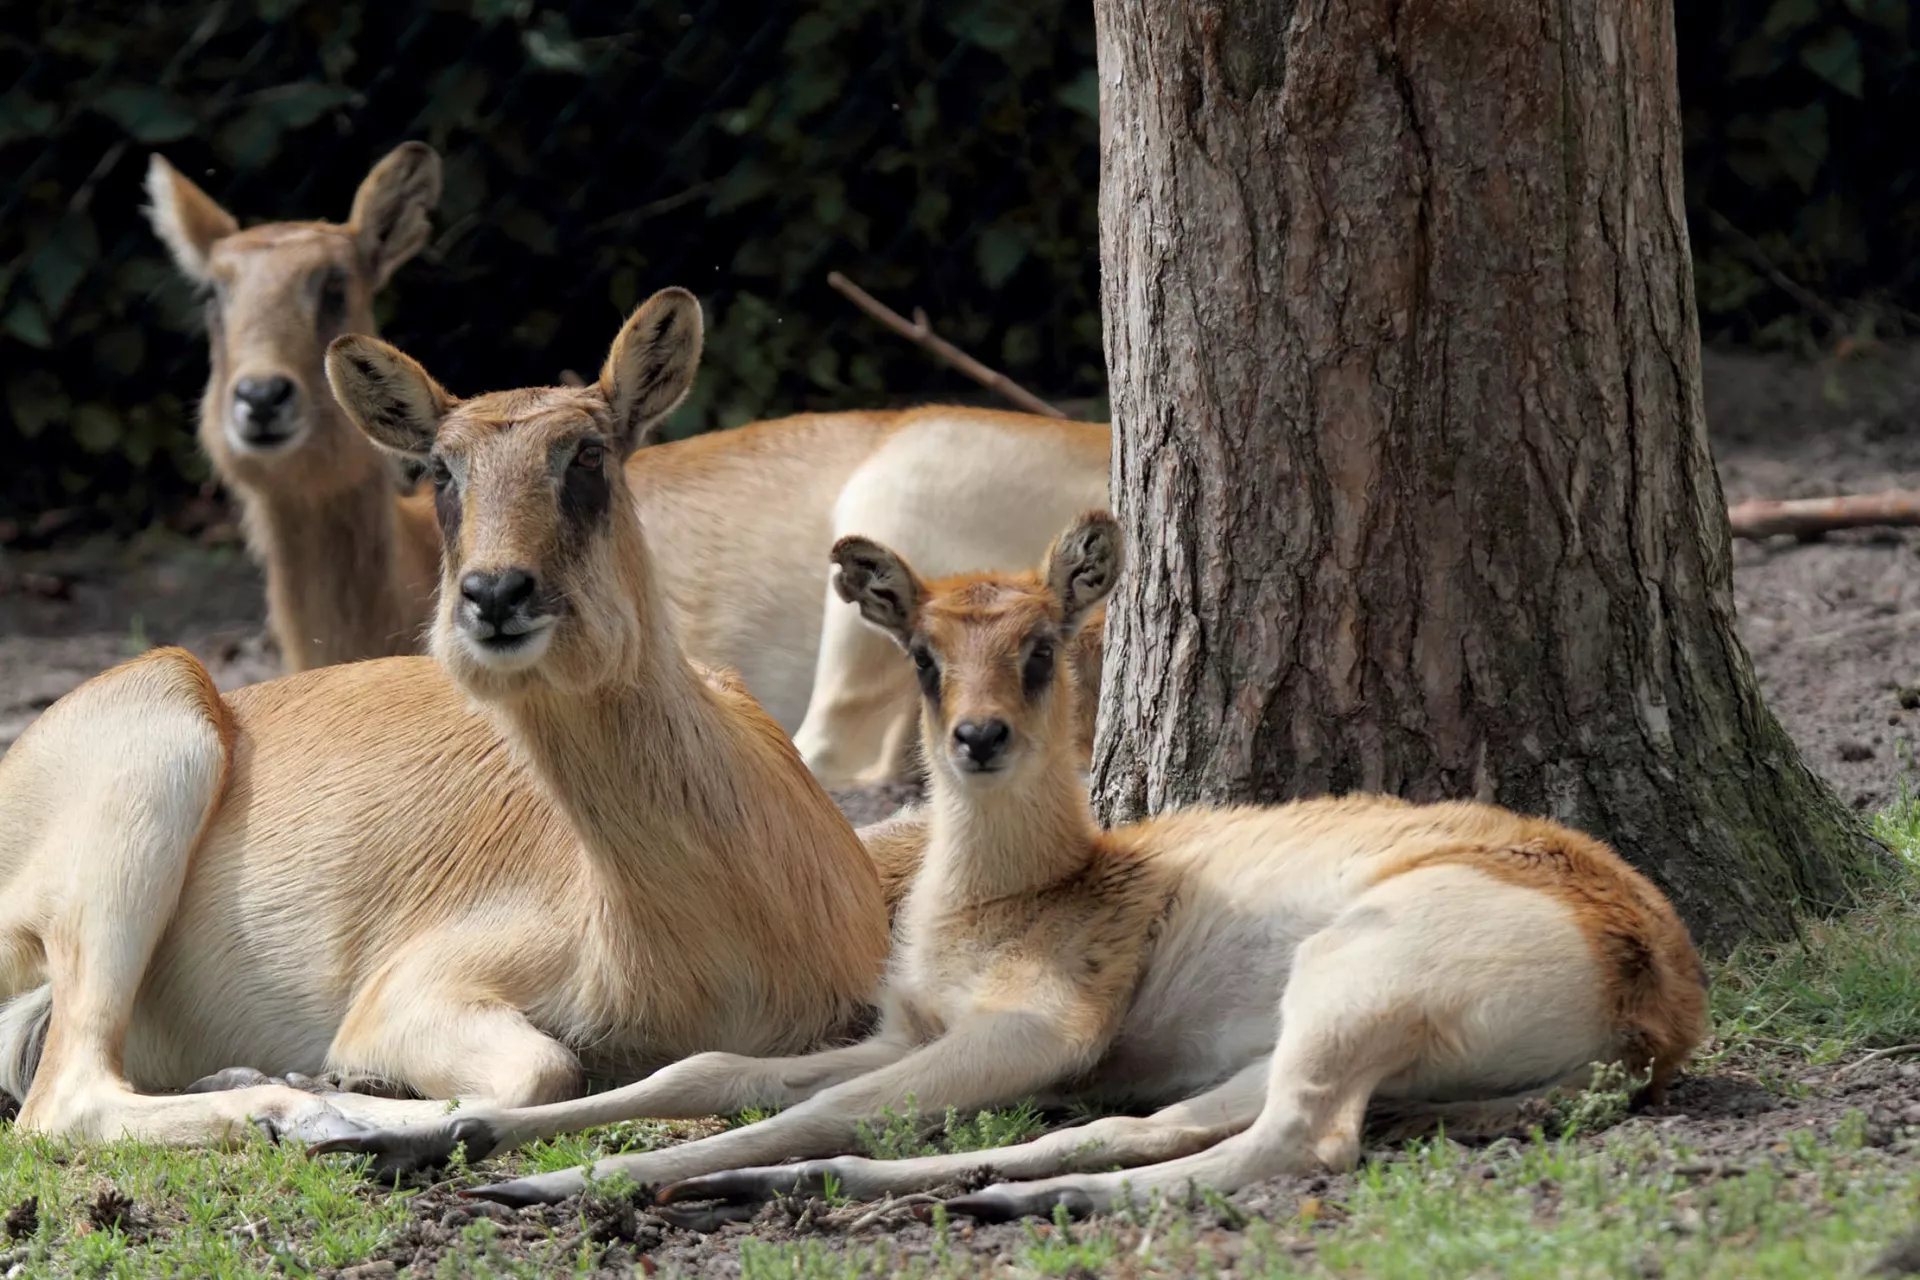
249	141
1798	140
823	368
999	252
551	45
61	260
36	401
1834	56
528	228
1888	14
1082	94
297	105
24	116
1021	345
96	427
623	289
146	113
1757	55
1786	16
120	350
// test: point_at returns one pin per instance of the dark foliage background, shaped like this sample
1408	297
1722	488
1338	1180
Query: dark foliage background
942	153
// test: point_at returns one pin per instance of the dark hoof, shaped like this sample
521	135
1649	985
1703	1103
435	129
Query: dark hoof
1003	1204
231	1078
543	1188
402	1151
739	1186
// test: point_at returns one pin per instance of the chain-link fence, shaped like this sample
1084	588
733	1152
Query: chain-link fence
942	153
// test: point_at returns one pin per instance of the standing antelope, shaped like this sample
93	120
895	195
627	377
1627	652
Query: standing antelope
740	521
1266	971
620	863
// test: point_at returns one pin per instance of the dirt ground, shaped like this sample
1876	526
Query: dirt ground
1833	627
1726	1124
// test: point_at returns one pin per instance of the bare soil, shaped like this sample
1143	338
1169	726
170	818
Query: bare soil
1832	624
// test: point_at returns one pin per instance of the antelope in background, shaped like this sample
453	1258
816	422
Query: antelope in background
1259	973
740	520
621	862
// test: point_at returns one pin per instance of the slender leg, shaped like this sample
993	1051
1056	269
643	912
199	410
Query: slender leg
703	1085
1178	1130
988	1060
1411	991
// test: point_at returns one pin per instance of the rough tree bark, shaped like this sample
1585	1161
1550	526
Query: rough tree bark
1409	442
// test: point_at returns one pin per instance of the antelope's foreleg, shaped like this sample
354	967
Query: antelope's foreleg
988	1060
703	1085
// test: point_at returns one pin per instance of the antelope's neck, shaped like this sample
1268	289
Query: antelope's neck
341	583
644	763
1015	838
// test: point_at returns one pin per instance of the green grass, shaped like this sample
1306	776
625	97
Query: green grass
1846	983
1545	1209
1567	1204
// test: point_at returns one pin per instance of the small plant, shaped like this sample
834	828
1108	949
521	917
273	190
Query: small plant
1603	1104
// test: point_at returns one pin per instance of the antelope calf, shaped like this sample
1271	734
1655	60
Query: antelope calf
1260	973
740	521
618	861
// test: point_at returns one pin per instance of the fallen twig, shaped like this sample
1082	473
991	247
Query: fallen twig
1763	516
919	331
1895	1051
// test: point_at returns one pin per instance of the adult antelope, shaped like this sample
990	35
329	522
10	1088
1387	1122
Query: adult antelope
740	521
1266	971
621	862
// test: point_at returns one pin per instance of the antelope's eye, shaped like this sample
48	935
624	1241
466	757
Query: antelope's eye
590	457
333	299
1038	671
927	669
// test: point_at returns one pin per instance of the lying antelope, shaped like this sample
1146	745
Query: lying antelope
1266	971
740	521
619	863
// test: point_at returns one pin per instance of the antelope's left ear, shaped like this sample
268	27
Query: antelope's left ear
387	393
393	210
651	365
1083	565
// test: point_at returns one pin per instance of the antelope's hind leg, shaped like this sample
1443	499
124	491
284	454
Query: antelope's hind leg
102	803
1438	984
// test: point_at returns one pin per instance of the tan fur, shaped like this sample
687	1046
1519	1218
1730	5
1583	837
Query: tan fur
1262	974
740	521
593	858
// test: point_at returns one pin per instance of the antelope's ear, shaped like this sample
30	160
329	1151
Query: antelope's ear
1083	565
387	393
878	582
393	210
650	367
185	218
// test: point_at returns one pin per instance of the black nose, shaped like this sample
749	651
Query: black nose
983	740
495	596
264	399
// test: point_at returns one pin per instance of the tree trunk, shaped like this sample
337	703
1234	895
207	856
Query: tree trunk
1409	442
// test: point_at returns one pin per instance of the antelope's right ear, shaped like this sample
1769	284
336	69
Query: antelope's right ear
879	582
185	218
1084	564
387	393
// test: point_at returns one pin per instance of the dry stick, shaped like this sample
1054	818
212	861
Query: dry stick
919	331
1898	1050
1763	516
